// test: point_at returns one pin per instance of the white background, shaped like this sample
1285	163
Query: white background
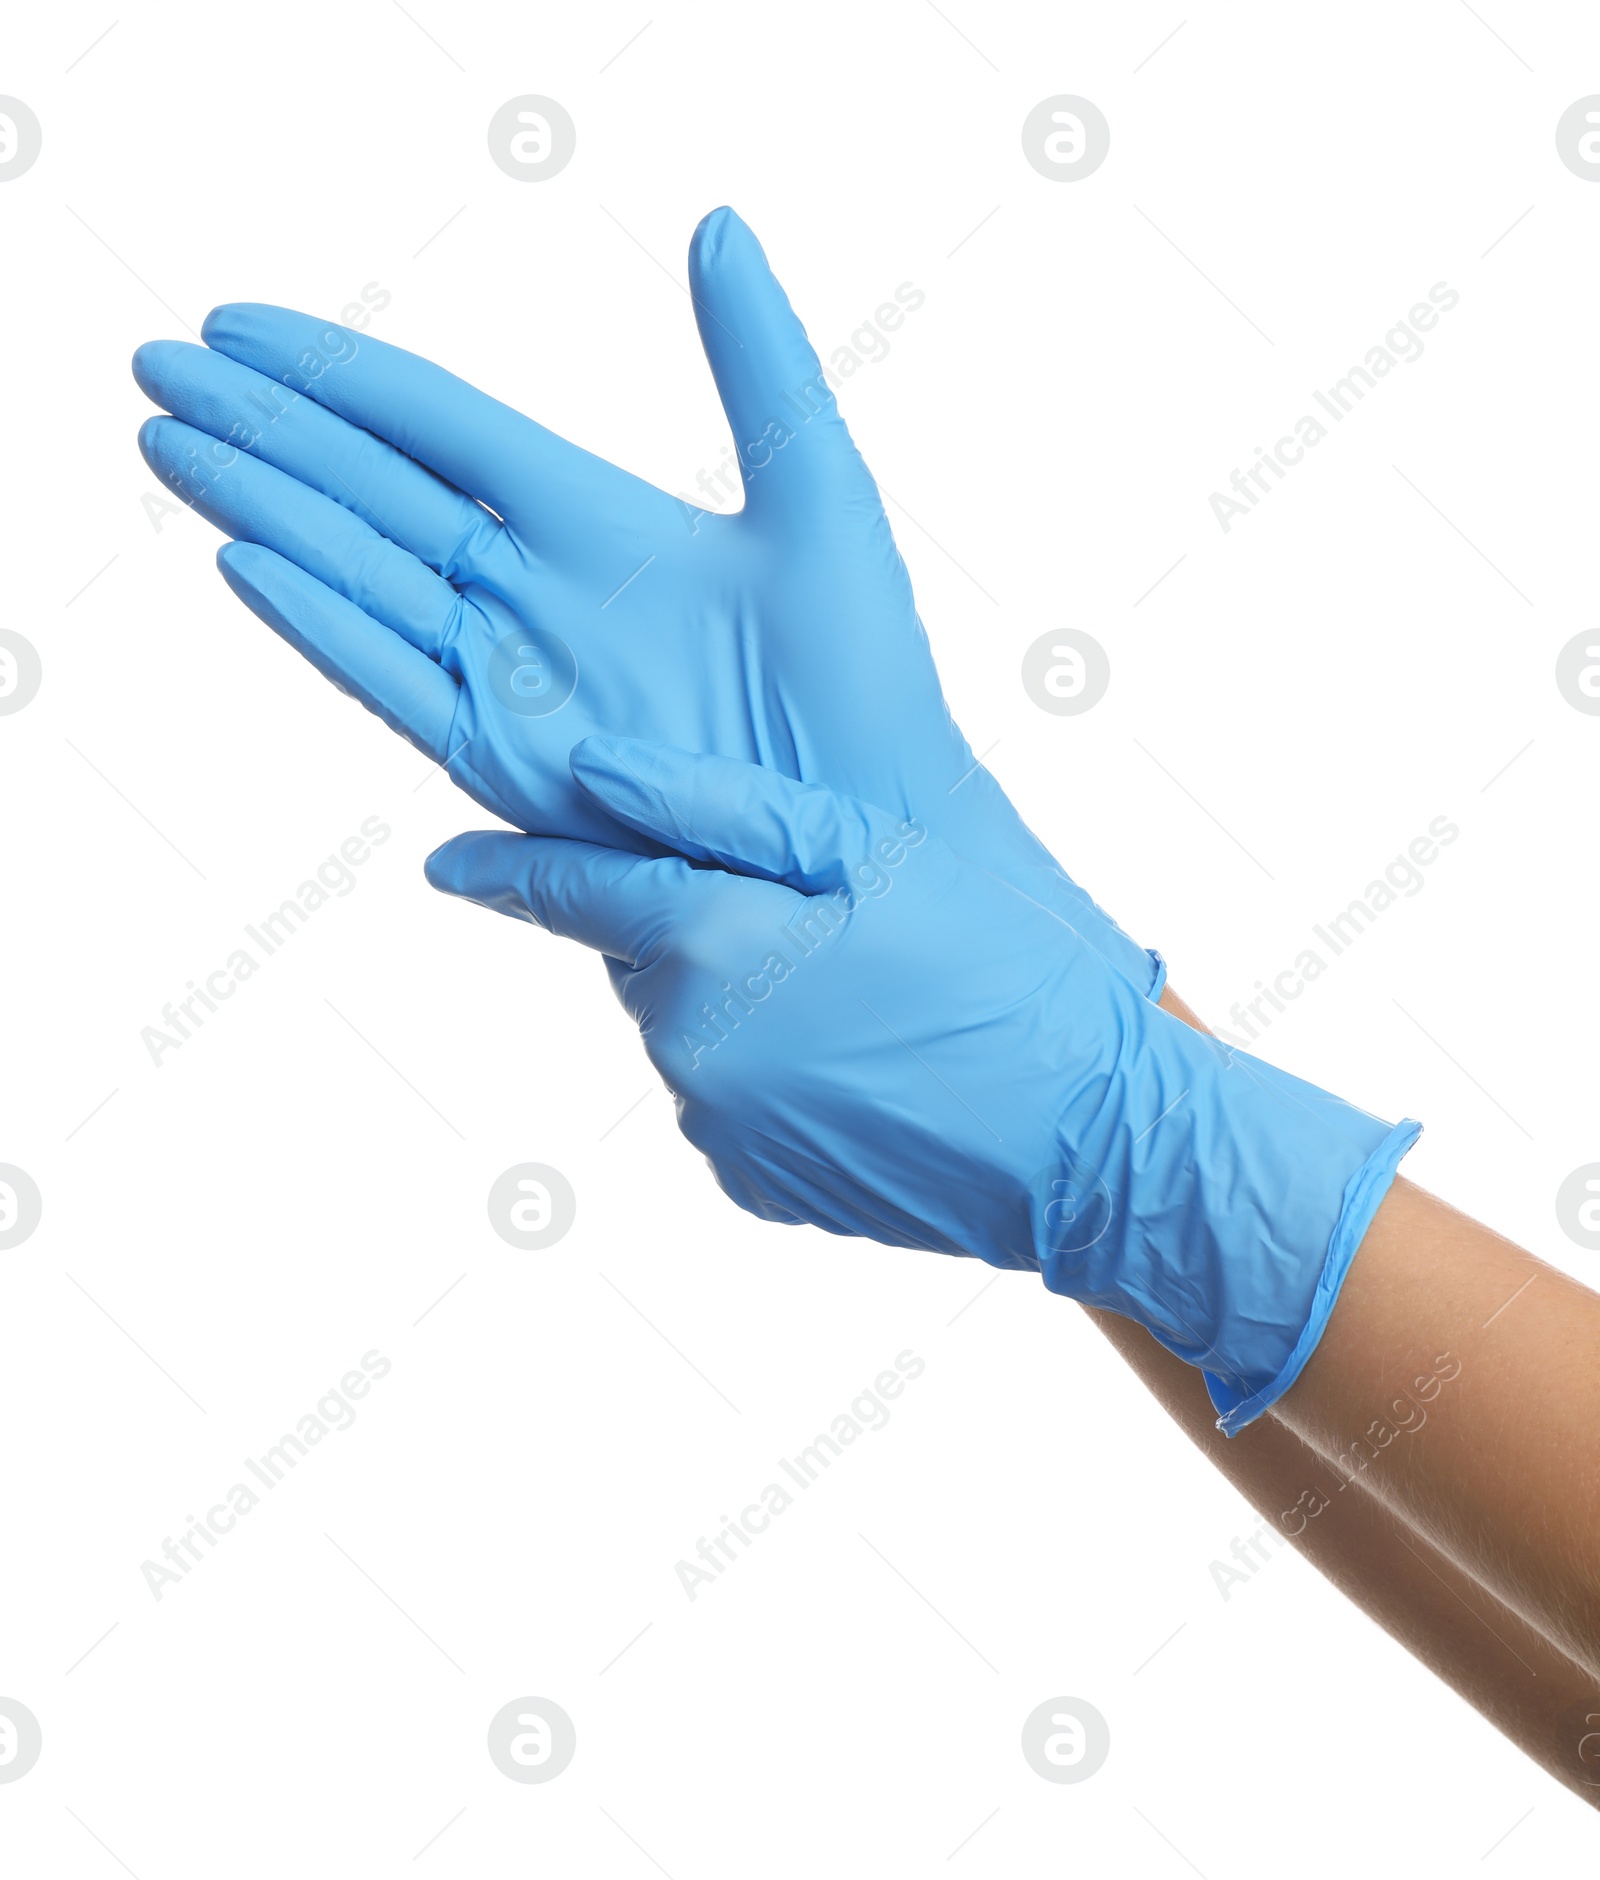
277	1199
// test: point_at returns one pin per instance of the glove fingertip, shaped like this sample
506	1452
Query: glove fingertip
239	324
635	781
596	754
242	563
222	320
150	359
711	235
441	869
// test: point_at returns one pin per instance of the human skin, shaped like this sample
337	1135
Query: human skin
1504	1475
1469	1536
1486	1652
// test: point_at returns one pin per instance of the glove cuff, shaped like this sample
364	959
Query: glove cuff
1237	1409
1213	1198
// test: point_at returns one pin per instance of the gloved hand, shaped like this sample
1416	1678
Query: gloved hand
864	1031
495	594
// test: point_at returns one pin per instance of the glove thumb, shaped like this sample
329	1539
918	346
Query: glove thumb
744	817
779	402
622	905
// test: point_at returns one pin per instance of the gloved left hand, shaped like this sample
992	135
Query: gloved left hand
864	1031
495	593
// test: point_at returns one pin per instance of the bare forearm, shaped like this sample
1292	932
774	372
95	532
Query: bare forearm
1499	1466
1385	1560
1488	1654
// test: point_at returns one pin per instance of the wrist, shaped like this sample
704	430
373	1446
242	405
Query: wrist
1213	1199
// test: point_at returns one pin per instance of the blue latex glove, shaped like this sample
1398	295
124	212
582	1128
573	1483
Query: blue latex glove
459	569
864	1031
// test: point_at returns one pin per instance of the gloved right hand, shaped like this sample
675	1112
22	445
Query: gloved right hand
864	1031
496	594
